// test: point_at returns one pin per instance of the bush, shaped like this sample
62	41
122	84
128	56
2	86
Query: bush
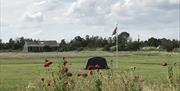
106	48
176	50
80	49
113	48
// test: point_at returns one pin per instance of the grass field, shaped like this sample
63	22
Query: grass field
17	70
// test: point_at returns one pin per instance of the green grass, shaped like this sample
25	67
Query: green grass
19	69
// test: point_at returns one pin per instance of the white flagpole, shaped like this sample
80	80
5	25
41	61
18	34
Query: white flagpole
116	47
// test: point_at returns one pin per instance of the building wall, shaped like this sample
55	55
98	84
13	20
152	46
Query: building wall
39	49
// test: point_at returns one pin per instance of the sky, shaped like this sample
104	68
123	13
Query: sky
65	19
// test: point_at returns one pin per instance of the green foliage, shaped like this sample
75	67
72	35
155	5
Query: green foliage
174	78
79	43
20	70
98	84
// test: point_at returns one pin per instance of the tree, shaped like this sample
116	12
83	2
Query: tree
153	42
166	44
123	40
11	44
133	46
63	46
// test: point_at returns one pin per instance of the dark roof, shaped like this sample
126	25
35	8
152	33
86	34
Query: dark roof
42	43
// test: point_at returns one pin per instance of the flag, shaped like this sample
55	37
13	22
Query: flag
115	31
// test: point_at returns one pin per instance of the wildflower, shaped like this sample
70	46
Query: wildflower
42	79
66	82
69	74
46	60
65	69
97	66
90	67
164	64
79	74
49	82
91	72
47	64
65	63
84	75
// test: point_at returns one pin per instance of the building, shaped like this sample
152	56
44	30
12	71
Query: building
40	46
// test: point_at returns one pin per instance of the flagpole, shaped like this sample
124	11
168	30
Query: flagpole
116	48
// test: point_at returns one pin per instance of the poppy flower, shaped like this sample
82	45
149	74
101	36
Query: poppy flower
84	75
69	74
47	64
164	64
90	67
65	69
65	82
49	82
42	79
79	74
64	63
46	60
91	72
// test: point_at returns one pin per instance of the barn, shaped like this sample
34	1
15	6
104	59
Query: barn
40	46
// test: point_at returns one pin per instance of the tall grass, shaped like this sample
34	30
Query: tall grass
100	80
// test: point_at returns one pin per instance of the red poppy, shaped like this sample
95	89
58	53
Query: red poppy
49	82
79	74
65	82
42	79
69	74
64	63
47	64
65	69
84	75
46	60
91	72
164	63
90	67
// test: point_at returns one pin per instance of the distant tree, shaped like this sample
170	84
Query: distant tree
166	44
133	46
106	48
153	42
1	45
63	46
11	44
123	40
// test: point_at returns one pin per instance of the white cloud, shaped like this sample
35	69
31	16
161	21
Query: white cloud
62	17
36	33
39	3
33	17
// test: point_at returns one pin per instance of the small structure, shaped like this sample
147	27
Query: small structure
97	61
40	46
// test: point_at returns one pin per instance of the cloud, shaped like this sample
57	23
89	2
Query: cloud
147	17
93	12
33	17
36	33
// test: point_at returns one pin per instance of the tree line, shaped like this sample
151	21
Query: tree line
125	43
